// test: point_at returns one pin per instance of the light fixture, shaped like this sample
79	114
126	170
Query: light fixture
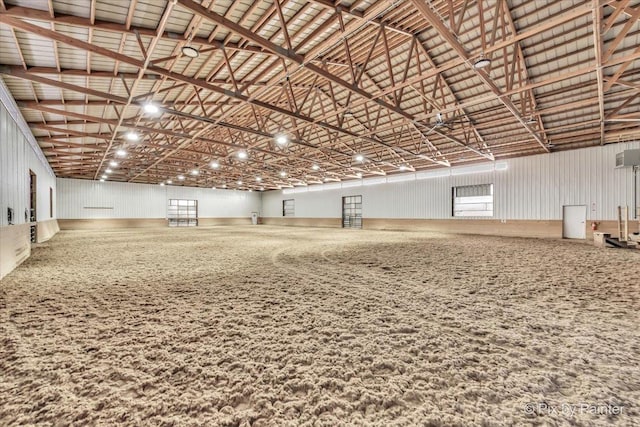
261	189
239	182
162	184
213	188
224	185
121	153
315	167
326	179
101	179
113	163
347	114
242	155
250	191
195	172
108	170
359	174
181	177
482	62
132	136
169	181
190	51
215	164
359	158
403	167
281	140
283	174
258	179
151	108
104	177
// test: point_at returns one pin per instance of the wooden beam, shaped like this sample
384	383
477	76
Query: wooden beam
452	40
597	47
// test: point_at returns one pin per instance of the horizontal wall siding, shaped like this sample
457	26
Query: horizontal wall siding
85	199
530	188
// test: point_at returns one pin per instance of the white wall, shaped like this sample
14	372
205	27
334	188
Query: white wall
20	153
78	199
532	188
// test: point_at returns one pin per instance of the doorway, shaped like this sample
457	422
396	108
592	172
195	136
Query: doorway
182	213
352	212
574	220
33	199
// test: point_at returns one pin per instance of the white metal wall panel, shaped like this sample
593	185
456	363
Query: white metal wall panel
17	157
85	199
534	187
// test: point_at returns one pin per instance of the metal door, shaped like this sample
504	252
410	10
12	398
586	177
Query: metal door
574	220
352	212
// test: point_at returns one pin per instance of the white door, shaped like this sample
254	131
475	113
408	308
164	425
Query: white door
574	220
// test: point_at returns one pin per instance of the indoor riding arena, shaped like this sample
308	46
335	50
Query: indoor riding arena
320	213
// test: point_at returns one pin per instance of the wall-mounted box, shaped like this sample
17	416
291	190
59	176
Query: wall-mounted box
628	158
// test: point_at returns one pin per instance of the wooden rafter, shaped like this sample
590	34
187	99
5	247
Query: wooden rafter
366	78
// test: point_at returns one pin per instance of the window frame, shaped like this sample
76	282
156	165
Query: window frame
473	202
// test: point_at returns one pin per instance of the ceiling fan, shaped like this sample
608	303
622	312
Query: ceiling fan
441	124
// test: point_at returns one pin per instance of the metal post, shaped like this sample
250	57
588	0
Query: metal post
636	208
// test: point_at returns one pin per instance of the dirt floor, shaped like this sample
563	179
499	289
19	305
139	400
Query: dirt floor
292	326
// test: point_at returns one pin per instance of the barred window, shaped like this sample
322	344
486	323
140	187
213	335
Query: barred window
473	200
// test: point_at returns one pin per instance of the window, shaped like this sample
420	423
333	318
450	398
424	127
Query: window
473	200
288	207
352	212
50	202
182	213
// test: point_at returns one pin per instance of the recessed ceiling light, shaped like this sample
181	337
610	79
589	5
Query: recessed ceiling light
315	167
190	51
151	108
281	140
283	174
121	153
482	63
242	154
181	177
215	164
169	181
258	179
108	170
359	158
195	172
113	163
132	136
